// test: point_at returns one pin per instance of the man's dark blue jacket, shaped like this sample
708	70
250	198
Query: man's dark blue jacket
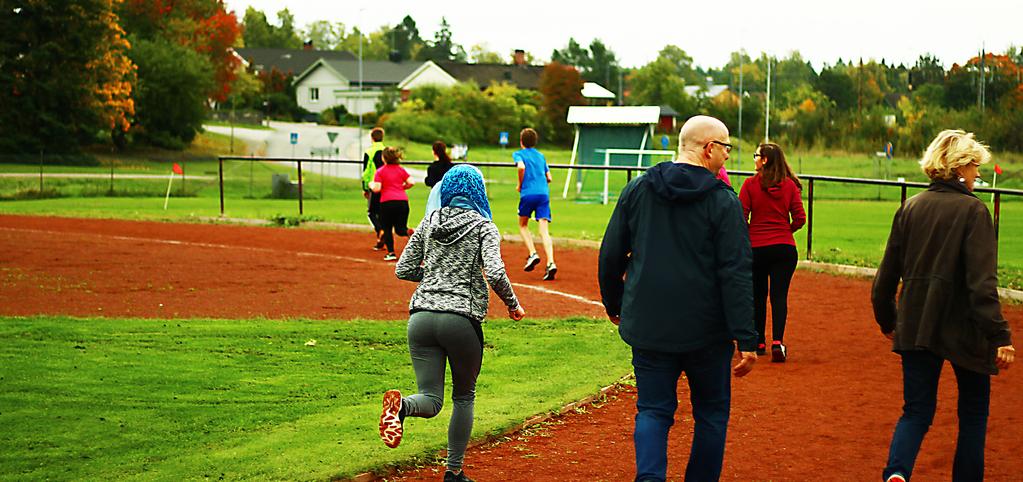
676	262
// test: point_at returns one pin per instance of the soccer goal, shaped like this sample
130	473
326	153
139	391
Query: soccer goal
609	136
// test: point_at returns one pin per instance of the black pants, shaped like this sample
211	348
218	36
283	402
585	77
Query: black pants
772	265
373	211
393	217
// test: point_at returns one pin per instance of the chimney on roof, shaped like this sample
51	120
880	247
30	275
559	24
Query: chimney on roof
307	45
520	57
394	56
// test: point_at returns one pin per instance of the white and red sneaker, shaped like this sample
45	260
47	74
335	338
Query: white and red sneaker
390	421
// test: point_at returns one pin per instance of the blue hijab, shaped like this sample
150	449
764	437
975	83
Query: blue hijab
462	186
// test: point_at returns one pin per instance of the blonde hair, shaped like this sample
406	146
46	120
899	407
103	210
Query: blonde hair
950	150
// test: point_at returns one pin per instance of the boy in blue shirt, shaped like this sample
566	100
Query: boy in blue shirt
534	197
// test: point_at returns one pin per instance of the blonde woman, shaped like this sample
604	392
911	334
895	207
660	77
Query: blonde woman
942	247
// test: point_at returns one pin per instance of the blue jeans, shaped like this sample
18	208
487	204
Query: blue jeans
920	372
708	371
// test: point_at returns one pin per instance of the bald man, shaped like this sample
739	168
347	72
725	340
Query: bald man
675	274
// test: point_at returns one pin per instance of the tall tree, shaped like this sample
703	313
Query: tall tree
596	64
443	47
259	33
659	83
64	76
479	54
927	70
561	87
405	39
173	80
324	35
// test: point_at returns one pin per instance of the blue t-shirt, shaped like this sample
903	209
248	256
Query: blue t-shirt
534	180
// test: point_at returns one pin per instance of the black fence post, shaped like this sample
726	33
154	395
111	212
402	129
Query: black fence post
809	223
300	188
220	171
903	194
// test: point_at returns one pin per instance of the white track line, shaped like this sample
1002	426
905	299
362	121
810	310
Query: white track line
190	243
271	250
560	293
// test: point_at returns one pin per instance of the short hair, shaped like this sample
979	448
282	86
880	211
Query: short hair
392	155
951	149
377	134
528	137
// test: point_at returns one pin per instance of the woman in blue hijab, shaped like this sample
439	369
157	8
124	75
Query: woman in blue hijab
453	255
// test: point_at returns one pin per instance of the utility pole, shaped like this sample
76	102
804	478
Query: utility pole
767	116
742	60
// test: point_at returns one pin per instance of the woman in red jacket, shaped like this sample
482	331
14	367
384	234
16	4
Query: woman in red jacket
771	203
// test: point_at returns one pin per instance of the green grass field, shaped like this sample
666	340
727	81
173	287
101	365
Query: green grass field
104	399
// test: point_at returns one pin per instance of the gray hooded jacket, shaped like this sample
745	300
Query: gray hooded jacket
448	255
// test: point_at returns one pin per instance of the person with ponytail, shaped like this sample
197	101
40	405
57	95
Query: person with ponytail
772	204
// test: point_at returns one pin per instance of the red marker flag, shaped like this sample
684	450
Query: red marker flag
177	169
998	169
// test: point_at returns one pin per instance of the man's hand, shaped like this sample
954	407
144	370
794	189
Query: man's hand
890	335
746	361
1005	356
615	319
517	314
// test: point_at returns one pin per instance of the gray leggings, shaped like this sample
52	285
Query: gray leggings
433	338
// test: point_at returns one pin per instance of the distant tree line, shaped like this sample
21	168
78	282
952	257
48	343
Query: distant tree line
81	72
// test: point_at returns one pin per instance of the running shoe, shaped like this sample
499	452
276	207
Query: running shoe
761	349
390	420
531	262
409	232
450	476
390	257
552	269
779	352
891	478
378	246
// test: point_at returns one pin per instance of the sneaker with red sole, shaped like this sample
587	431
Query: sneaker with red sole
895	478
390	419
761	349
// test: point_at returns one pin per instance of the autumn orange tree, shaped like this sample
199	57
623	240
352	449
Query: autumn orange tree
560	87
65	80
170	32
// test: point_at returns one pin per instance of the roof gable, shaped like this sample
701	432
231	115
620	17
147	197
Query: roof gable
288	61
374	72
522	76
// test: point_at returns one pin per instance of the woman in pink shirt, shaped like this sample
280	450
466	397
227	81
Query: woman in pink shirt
391	181
772	204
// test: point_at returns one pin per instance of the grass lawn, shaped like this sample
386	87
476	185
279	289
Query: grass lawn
102	399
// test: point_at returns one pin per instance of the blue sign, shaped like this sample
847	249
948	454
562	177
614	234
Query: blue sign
504	139
664	142
294	138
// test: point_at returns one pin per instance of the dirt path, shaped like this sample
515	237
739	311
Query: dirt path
827	414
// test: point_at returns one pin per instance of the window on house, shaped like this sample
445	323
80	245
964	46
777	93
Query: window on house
314	94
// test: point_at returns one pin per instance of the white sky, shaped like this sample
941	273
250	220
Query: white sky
898	31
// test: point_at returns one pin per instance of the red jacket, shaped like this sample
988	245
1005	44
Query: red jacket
774	213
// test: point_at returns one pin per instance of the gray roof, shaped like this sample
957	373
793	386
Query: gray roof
522	76
374	72
293	61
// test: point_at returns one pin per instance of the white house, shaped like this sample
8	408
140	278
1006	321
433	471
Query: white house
327	83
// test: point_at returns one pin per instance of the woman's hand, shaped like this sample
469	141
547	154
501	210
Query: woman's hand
1005	356
517	314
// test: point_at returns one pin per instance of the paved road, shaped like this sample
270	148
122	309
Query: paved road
277	143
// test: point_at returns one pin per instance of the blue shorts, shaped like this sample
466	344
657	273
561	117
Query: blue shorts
540	203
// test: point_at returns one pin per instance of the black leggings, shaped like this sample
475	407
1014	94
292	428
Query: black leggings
393	217
776	262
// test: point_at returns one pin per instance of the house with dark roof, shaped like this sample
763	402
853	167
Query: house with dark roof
287	61
327	83
446	74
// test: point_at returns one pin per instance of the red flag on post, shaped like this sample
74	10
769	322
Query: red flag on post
177	169
998	169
